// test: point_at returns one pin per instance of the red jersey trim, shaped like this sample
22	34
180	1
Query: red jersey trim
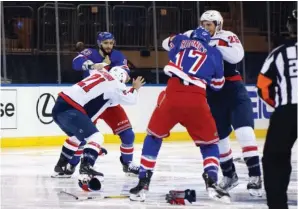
68	100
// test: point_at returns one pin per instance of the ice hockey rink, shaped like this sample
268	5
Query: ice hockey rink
26	181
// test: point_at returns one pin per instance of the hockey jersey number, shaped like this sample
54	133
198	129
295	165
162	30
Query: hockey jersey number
233	39
88	83
199	61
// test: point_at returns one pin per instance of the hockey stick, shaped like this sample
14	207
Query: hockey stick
95	197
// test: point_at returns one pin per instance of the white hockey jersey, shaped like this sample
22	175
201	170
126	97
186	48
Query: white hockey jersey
94	94
231	49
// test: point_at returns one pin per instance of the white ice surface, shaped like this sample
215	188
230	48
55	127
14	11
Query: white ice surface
26	182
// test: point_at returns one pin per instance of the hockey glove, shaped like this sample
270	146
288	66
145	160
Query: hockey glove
181	197
89	184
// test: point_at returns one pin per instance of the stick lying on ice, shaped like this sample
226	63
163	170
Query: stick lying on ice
94	197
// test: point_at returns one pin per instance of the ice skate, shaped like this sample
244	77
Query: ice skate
138	193
130	169
228	183
63	169
87	168
214	191
254	186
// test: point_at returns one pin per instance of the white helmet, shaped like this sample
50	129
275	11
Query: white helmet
214	16
119	73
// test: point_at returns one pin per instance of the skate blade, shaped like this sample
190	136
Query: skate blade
255	192
232	186
60	176
214	196
224	199
141	197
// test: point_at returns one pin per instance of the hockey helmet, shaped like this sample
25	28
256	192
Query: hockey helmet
201	34
104	36
119	73
213	16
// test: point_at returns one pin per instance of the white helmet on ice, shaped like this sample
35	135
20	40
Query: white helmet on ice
214	16
119	73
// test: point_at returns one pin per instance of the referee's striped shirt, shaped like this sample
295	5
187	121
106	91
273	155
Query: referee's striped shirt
277	81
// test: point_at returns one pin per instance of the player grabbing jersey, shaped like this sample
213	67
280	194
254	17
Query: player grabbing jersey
77	107
193	65
231	107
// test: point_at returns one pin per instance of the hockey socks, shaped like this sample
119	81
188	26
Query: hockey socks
77	155
247	139
92	148
70	146
150	151
210	153
126	148
75	160
253	165
228	168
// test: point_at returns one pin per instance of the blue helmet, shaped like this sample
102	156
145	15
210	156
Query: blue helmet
201	34
104	36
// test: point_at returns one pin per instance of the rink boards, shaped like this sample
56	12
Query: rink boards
26	116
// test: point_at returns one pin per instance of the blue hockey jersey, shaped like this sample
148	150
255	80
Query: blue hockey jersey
196	59
231	49
93	55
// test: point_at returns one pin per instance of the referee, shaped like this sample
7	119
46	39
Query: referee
277	86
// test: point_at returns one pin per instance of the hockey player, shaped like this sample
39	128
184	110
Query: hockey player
77	108
92	58
193	64
232	107
89	60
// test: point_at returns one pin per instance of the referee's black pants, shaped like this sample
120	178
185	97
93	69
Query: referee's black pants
281	136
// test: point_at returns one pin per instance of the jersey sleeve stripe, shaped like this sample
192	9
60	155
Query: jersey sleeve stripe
72	103
221	42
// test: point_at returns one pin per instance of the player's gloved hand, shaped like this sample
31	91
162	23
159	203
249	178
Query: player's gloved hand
87	65
181	197
103	152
